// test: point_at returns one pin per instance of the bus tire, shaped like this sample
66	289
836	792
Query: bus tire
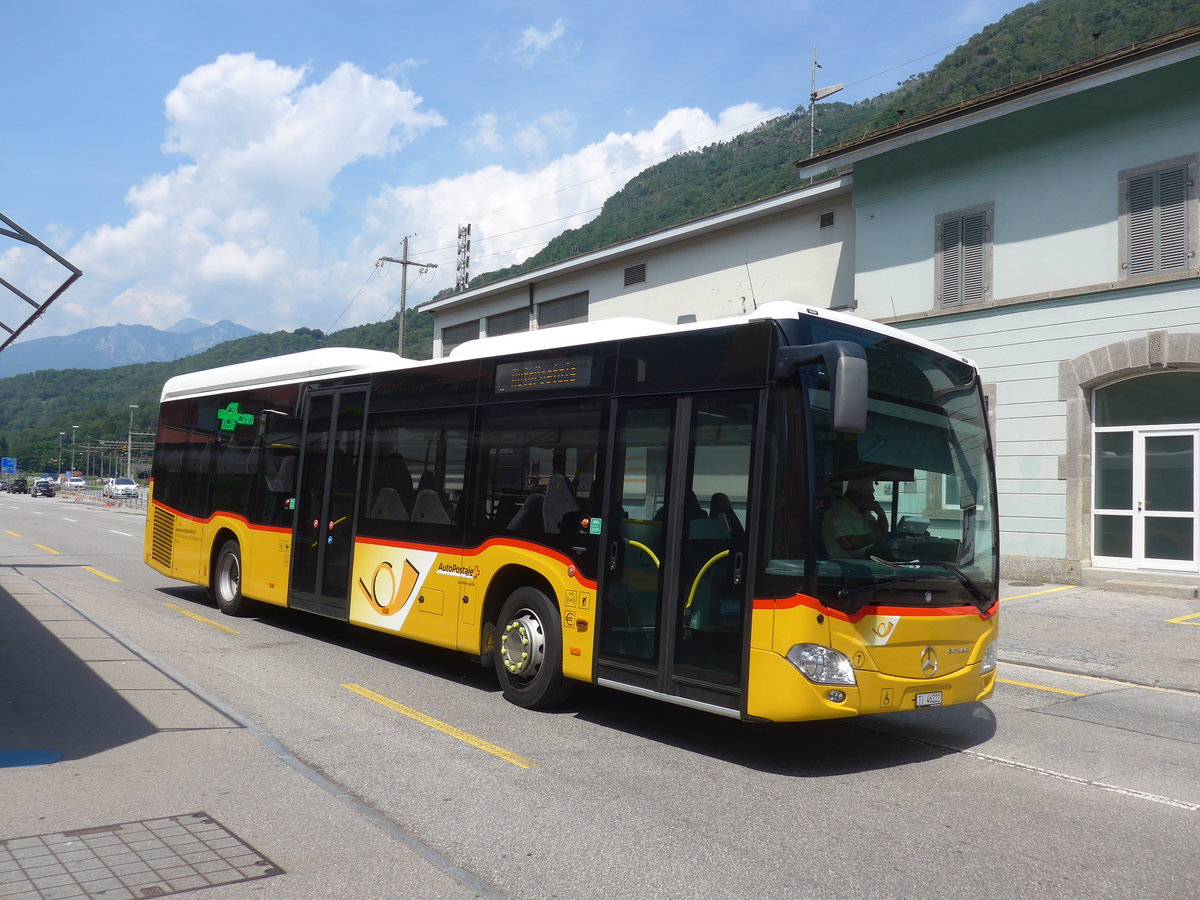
226	587
528	653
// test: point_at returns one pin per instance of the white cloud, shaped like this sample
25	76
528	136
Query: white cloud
487	134
231	232
513	213
533	42
536	138
234	231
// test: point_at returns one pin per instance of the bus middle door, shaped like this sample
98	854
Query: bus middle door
323	539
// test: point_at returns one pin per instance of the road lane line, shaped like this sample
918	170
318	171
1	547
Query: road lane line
106	577
125	533
200	618
1118	682
13	533
1185	620
458	733
1041	687
1055	590
47	549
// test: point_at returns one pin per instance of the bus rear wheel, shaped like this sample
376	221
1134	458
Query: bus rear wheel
226	587
528	654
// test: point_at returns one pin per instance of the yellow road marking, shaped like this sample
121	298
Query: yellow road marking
199	618
1041	687
458	733
47	549
1186	620
102	575
13	533
1039	593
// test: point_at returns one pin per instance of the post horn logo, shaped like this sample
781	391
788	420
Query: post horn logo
929	662
387	595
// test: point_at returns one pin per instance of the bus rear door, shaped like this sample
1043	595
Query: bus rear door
323	540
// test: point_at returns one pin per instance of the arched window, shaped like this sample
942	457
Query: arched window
1168	398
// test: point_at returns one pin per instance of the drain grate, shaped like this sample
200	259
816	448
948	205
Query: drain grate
151	858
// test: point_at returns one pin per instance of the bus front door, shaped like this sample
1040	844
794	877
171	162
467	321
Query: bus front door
323	539
673	582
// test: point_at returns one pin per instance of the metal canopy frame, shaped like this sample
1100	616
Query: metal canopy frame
16	232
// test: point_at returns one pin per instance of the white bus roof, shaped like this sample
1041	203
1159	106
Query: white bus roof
309	365
329	362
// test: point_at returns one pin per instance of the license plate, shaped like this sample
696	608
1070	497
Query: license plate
929	698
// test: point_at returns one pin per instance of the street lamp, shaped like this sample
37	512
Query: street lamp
74	428
129	444
61	435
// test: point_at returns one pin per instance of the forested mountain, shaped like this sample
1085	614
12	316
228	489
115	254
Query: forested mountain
1037	38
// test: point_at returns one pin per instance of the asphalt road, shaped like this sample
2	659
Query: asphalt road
1064	784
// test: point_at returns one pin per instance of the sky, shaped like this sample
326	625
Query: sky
252	160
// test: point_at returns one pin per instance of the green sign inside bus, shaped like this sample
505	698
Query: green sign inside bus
232	416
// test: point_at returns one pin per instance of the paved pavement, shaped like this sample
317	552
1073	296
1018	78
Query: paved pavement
119	778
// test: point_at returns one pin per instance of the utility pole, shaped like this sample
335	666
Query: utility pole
404	262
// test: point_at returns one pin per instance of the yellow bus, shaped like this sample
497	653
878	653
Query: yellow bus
779	517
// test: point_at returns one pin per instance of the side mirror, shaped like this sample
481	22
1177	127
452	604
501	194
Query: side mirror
847	366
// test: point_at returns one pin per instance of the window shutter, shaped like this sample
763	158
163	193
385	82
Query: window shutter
951	261
635	274
974	237
1172	204
1158	232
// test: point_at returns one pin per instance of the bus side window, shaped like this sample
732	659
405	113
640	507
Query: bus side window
415	475
540	464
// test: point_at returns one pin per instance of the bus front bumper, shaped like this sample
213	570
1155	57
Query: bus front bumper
779	693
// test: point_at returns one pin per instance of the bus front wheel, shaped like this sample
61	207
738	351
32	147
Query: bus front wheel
528	654
226	586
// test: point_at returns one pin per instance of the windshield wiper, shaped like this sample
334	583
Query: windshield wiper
982	600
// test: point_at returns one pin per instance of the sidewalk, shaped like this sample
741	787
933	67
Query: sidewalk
119	780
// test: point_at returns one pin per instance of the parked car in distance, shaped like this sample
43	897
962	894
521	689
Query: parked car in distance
121	487
19	486
43	487
76	483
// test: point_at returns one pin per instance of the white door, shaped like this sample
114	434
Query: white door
1146	512
1165	529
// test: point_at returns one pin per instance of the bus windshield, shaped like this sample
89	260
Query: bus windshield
903	513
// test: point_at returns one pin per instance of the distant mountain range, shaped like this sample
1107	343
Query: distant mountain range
117	345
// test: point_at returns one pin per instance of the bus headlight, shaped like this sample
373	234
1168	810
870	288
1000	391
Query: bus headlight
989	659
821	665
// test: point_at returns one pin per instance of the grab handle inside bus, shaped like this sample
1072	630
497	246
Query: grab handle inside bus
847	367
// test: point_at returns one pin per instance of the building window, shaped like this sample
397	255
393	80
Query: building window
508	323
963	256
635	274
1158	219
454	335
563	311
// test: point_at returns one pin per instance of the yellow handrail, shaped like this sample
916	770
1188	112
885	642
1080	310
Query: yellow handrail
700	574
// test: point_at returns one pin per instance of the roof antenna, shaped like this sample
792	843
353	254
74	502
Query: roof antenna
753	299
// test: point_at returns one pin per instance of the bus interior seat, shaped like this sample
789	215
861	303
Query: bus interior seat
529	517
720	507
560	502
388	505
428	507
